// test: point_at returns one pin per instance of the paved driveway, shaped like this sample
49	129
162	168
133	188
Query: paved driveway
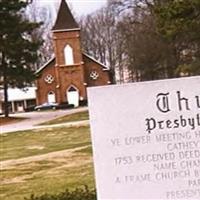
34	118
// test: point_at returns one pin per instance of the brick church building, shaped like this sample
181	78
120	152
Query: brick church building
65	77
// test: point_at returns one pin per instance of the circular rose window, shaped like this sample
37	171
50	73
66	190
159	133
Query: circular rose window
49	79
94	75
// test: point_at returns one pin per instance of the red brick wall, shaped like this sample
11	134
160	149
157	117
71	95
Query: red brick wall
61	39
90	66
70	74
43	88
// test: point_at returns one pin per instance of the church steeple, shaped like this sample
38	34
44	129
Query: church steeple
65	20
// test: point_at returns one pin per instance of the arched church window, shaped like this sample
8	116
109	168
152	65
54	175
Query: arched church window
68	52
72	89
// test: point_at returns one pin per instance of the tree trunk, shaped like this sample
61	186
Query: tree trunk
5	87
6	105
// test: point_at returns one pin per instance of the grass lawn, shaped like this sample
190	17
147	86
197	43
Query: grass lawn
45	161
80	116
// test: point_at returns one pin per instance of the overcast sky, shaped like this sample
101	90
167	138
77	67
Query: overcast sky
80	7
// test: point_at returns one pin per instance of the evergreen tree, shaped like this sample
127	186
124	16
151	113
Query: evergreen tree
179	23
17	50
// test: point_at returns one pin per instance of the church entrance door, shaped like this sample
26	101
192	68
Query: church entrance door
51	97
73	96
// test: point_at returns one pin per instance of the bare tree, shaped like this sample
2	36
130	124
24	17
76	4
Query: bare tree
44	15
100	38
148	55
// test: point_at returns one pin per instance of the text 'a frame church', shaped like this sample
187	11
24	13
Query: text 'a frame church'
66	76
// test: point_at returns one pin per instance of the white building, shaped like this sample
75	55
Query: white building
19	99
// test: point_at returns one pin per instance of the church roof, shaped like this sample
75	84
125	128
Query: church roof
65	19
52	61
104	67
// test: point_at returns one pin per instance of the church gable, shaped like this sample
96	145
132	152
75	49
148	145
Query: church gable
88	58
46	81
51	63
96	74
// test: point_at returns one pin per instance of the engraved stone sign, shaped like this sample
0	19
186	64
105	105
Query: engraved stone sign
146	139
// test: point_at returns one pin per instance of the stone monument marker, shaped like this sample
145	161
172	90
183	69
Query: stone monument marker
146	139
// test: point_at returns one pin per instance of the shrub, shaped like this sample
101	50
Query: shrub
83	103
77	194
